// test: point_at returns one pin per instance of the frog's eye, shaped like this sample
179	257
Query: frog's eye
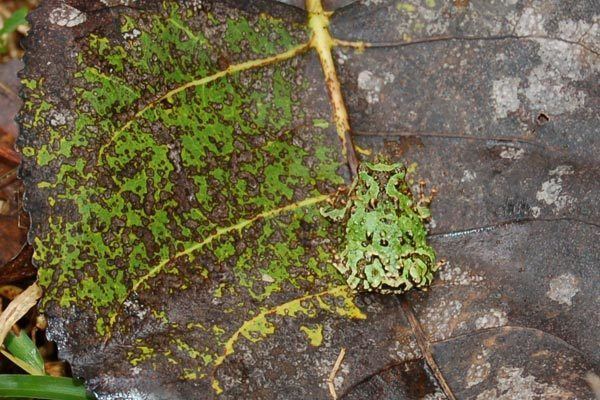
383	242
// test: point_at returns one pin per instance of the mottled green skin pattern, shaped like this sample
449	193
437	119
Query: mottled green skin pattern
189	215
386	250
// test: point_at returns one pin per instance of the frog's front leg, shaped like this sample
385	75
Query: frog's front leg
333	210
424	200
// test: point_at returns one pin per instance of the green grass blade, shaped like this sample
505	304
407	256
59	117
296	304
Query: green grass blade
42	387
14	21
19	363
22	347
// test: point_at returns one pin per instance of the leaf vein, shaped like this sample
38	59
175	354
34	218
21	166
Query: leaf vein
279	309
218	233
232	69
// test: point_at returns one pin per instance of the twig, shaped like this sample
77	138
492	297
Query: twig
333	372
594	381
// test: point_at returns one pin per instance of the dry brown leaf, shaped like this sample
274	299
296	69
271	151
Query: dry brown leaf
18	308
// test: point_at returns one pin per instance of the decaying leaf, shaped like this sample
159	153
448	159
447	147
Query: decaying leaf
176	155
17	308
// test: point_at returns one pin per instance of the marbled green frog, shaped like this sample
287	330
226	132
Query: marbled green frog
386	250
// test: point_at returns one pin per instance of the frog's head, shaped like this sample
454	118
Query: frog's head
388	177
381	171
382	165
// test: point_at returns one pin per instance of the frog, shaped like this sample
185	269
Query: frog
385	249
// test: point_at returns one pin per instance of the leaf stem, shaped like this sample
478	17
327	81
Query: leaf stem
425	347
322	42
